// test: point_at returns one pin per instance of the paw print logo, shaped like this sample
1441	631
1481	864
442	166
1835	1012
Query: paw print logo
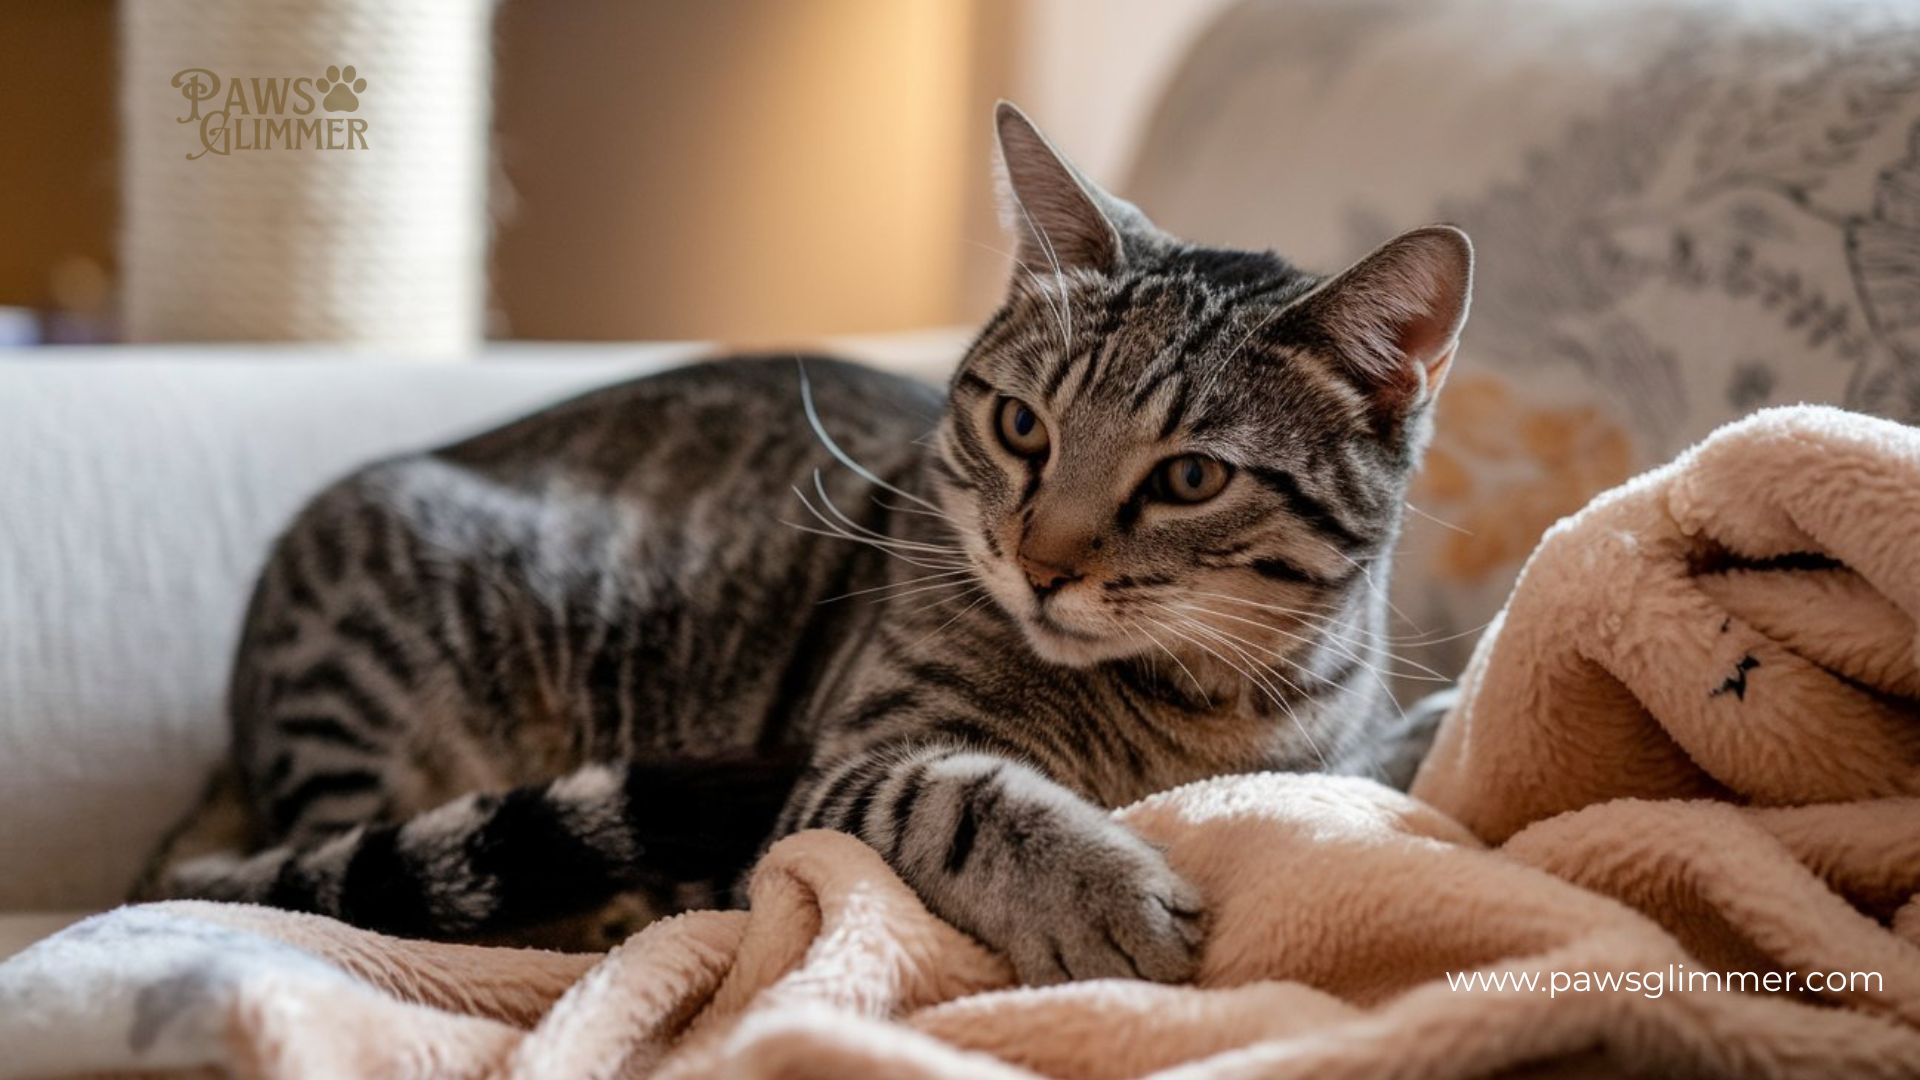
342	87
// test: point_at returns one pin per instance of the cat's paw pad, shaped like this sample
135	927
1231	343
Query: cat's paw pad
342	87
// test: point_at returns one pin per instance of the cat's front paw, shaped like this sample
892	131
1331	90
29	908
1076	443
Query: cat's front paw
1111	908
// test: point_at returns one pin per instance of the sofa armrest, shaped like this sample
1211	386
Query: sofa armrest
140	491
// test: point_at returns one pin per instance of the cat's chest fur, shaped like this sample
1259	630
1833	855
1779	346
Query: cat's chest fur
1113	732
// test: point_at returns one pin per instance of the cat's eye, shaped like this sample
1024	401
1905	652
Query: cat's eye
1190	478
1021	429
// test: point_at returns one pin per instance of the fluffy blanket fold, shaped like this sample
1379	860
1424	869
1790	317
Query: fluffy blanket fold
1690	745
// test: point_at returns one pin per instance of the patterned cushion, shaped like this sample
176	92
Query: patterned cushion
1683	209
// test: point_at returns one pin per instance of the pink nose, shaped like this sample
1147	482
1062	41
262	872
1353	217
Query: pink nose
1045	577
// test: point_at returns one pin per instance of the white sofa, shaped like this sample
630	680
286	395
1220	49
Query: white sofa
139	491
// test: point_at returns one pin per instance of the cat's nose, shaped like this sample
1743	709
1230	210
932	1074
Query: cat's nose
1045	577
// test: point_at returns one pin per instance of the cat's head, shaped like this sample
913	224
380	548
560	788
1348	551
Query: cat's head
1150	435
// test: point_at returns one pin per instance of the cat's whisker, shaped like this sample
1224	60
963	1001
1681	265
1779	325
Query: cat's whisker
943	601
1039	287
1179	630
1265	686
1277	654
899	584
950	560
927	588
1171	655
1129	628
1416	641
908	559
1015	261
971	587
1066	302
896	508
1419	641
1426	674
1064	312
931	551
1225	638
1391	664
826	440
1366	574
826	500
1257	327
1315	620
1379	676
957	616
1228	641
1442	522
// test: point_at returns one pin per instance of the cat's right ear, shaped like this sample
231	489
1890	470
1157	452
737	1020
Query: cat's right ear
1058	218
1394	318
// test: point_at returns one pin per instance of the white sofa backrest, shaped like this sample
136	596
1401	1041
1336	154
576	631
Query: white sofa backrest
137	500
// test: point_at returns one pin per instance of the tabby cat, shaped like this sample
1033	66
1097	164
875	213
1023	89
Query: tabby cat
623	643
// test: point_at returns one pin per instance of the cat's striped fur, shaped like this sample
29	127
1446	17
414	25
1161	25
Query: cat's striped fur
623	643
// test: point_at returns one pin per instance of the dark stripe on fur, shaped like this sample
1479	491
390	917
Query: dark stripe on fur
882	705
286	809
960	847
381	890
366	629
328	679
1276	568
537	865
901	812
327	729
1307	508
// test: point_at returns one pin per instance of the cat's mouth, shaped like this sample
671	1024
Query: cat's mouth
1068	628
1057	635
1058	643
1054	626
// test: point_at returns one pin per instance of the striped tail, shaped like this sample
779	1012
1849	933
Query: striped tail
485	864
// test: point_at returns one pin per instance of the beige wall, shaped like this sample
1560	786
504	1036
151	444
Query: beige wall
1089	72
748	170
57	179
766	170
1095	68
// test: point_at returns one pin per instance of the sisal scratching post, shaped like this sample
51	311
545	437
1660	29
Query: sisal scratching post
272	195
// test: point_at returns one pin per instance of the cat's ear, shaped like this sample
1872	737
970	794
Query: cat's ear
1394	318
1058	218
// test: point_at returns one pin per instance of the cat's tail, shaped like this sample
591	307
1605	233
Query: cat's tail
485	863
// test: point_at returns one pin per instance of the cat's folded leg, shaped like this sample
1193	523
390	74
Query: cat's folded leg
1014	858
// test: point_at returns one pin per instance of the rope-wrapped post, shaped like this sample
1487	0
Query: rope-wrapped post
306	170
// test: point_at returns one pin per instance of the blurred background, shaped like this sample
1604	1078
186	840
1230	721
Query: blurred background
738	170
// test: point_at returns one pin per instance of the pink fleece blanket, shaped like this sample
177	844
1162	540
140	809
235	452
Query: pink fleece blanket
1672	828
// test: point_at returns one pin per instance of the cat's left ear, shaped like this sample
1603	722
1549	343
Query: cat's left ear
1059	219
1395	316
